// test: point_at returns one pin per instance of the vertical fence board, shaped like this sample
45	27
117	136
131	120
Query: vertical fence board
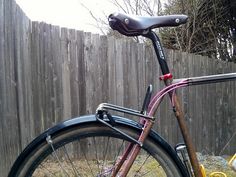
10	135
218	95
81	72
200	106
56	63
119	73
111	72
103	80
23	75
73	69
211	120
132	72
223	119
65	47
126	64
141	74
48	79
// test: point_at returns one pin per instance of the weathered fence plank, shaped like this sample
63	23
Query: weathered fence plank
81	72
57	104
10	135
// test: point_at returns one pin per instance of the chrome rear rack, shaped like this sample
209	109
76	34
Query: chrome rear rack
107	106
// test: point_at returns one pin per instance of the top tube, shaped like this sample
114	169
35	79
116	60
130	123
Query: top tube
207	79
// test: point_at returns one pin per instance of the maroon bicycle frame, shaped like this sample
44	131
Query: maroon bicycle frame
132	150
147	119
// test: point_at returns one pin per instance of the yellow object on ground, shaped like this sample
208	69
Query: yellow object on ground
232	162
203	171
218	174
214	174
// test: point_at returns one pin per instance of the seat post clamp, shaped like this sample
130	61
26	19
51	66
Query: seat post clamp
166	77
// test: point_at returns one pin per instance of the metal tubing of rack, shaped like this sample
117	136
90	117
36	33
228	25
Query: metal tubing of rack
122	133
105	106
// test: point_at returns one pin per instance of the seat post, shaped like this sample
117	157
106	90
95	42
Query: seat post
159	51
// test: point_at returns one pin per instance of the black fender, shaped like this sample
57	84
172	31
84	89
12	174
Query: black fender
91	119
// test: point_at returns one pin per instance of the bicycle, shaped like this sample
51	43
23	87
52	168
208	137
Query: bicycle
74	147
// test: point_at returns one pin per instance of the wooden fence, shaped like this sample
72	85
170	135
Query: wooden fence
49	74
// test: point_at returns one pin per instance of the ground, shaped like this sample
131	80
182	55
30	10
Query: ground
216	163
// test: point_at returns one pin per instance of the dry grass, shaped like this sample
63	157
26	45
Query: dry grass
152	168
91	168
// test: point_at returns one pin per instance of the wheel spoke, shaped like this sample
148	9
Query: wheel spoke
142	165
45	170
87	161
104	156
118	153
55	155
72	164
97	158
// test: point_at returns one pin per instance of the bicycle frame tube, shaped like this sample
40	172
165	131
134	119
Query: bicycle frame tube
207	79
184	82
148	123
133	149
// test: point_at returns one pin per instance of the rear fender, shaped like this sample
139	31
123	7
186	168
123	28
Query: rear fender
92	119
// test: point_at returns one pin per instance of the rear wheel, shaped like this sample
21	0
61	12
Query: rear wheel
92	150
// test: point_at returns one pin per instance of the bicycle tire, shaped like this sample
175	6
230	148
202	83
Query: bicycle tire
39	160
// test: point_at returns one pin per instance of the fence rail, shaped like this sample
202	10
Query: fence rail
49	74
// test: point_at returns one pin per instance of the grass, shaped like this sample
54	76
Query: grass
151	169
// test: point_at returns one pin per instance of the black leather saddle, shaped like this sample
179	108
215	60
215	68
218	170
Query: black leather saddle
137	25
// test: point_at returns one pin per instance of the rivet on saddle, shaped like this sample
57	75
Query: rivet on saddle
138	25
